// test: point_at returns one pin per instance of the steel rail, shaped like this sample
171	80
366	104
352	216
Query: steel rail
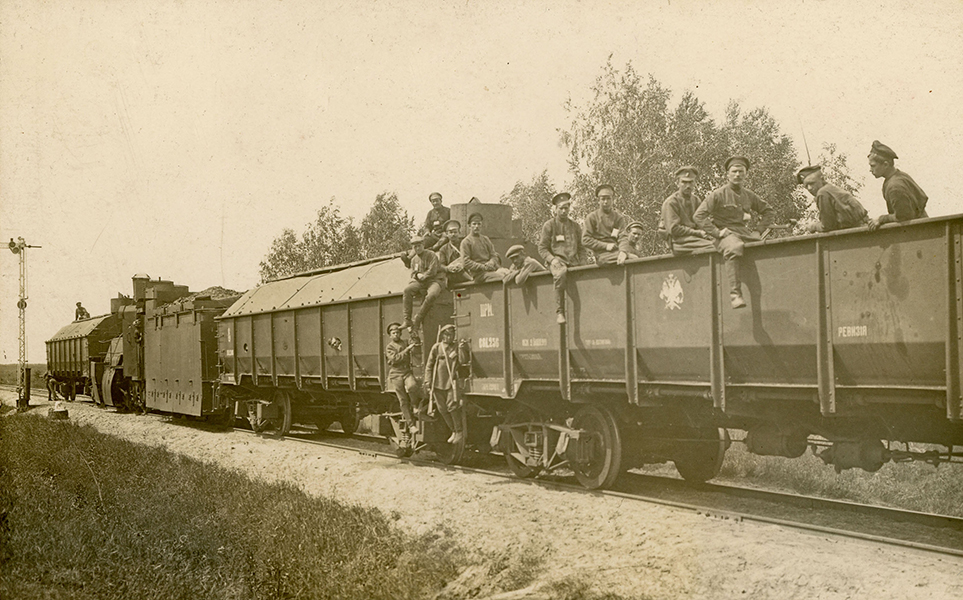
822	504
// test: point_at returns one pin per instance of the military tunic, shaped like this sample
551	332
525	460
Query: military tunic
905	199
680	227
602	229
838	209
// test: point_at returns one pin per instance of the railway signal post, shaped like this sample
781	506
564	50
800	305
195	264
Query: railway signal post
23	385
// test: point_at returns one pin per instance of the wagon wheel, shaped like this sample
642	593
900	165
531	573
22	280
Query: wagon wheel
257	425
514	440
282	400
596	459
700	461
226	418
349	419
138	398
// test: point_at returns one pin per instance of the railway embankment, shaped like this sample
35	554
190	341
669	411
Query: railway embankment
549	540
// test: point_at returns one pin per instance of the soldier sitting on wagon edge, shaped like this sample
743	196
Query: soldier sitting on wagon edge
629	246
838	209
81	313
682	231
604	228
725	215
427	277
523	265
560	246
478	253
905	199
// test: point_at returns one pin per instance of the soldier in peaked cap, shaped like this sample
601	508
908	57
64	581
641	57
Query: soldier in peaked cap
478	253
400	376
522	265
629	246
560	246
441	377
438	211
449	255
427	278
677	215
905	199
604	227
838	209
725	214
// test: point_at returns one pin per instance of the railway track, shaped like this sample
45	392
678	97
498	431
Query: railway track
941	534
935	533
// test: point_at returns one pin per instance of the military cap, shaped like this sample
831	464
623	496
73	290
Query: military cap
634	224
806	172
78	304
732	159
604	186
561	197
417	240
391	326
450	221
474	216
434	195
692	171
883	151
448	327
516	249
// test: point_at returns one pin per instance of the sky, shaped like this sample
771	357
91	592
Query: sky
178	139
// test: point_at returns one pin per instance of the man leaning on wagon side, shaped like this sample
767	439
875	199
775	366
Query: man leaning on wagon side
560	246
725	215
905	199
677	215
604	227
629	246
838	209
427	278
522	265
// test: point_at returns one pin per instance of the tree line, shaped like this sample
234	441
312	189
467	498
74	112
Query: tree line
627	135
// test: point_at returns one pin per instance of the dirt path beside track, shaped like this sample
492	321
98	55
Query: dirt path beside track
630	549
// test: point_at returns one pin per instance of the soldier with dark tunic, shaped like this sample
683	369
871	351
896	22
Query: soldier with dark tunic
905	200
478	254
560	246
522	265
438	211
427	278
725	215
838	209
604	227
629	246
677	215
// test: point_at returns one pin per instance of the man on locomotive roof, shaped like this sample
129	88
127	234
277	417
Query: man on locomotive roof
478	253
604	227
400	377
725	215
449	255
905	199
441	378
438	211
683	233
433	239
629	246
522	265
81	313
427	278
838	209
560	246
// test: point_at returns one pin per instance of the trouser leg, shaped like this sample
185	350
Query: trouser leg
732	248
408	298
434	290
404	399
560	278
441	402
607	258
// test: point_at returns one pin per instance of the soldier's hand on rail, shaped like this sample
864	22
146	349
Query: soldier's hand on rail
705	235
556	263
873	224
609	247
621	259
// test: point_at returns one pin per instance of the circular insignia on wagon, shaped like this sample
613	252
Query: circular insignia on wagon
672	292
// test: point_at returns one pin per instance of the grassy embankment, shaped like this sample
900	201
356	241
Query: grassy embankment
912	486
89	516
85	515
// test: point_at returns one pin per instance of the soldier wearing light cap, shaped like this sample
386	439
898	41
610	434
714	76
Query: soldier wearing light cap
677	215
838	209
560	246
725	215
905	199
522	266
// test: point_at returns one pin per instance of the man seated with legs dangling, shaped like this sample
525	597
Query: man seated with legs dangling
427	278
